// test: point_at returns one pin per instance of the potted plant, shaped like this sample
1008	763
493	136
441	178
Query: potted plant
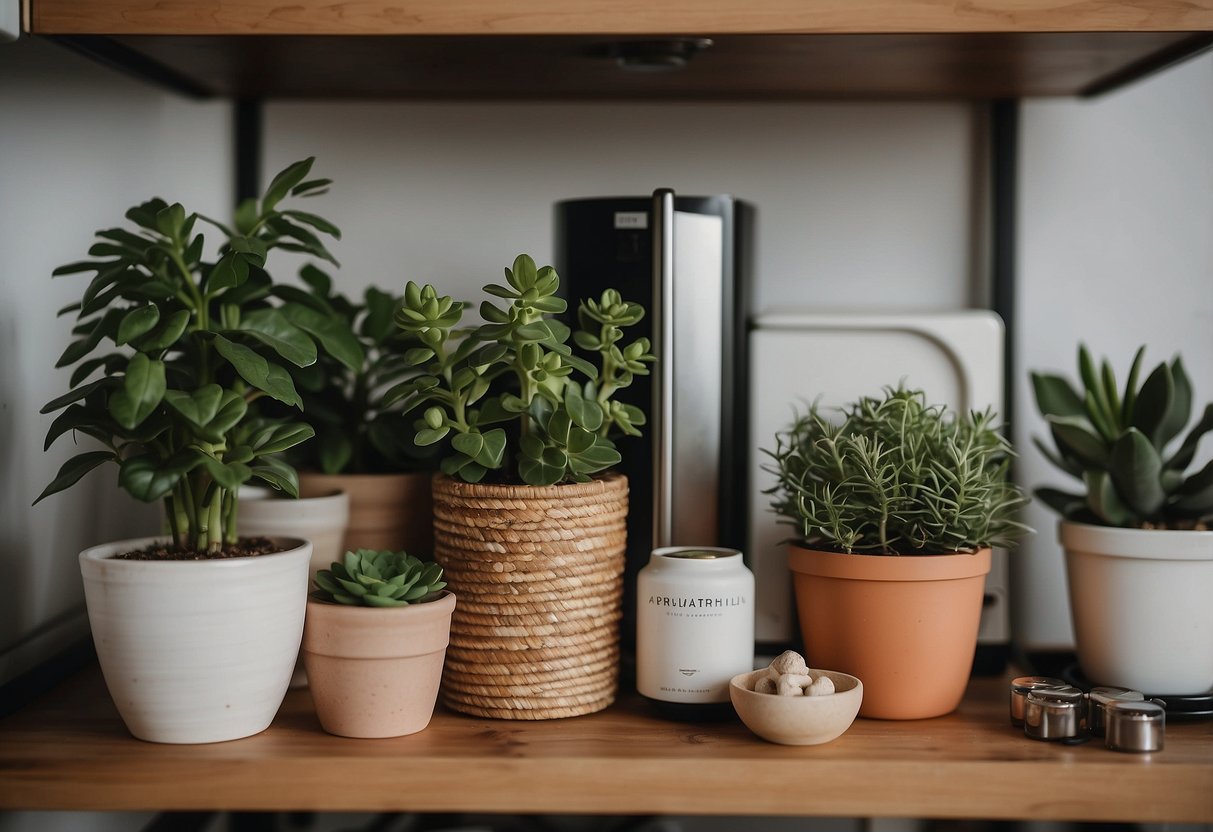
896	508
363	446
196	633
377	631
528	522
1137	540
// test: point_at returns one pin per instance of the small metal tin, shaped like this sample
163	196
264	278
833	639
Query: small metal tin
1100	698
1053	713
1021	686
1135	726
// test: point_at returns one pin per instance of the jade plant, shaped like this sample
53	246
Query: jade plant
510	396
896	476
356	431
1118	443
379	579
173	347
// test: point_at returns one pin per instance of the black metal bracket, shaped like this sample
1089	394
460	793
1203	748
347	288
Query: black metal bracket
248	122
1004	157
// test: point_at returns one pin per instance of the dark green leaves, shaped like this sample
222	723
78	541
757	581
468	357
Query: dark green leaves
272	328
269	378
284	182
72	470
1116	443
1136	469
143	387
195	335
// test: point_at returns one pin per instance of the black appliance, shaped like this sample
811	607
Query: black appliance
686	258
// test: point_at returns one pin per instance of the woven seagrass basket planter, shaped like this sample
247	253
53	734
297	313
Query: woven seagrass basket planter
539	575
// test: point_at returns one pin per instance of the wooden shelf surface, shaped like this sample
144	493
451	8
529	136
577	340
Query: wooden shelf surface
569	49
70	751
613	17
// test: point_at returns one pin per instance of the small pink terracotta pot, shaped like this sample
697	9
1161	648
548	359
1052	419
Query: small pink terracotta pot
374	672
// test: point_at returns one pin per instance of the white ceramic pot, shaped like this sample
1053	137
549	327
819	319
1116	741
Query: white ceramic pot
321	519
1142	603
196	651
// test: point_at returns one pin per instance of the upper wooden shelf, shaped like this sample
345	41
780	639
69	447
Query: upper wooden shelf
70	751
568	49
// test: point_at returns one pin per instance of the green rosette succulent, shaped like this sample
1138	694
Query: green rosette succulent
372	578
1118	442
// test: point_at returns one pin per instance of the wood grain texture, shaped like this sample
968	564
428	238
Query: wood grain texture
690	17
70	751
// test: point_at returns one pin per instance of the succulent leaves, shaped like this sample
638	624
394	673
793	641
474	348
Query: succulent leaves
380	579
1116	440
512	390
190	343
896	476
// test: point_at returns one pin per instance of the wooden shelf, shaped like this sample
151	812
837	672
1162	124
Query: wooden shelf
568	49
70	751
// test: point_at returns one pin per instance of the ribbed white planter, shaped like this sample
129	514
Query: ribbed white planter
321	520
196	651
1142	604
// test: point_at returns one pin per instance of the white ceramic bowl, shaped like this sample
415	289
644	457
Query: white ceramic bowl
797	720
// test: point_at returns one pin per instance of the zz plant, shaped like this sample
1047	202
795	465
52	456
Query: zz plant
1116	442
896	476
518	371
185	345
356	432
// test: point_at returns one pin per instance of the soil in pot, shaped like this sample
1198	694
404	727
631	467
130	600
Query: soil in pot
245	547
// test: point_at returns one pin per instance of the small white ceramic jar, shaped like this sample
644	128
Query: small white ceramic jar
695	624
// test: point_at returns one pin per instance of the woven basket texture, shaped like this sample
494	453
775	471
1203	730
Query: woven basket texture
538	572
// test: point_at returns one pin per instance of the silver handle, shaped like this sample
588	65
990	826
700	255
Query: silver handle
663	379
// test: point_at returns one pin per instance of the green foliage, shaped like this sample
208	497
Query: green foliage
518	371
172	348
896	476
1116	443
343	392
379	579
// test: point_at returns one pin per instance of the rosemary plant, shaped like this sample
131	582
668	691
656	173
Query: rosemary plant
896	476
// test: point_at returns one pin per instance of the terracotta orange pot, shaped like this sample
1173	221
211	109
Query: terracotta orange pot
906	626
375	672
387	511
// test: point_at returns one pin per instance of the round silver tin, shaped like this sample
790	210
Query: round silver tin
1100	698
1053	713
1021	686
1135	726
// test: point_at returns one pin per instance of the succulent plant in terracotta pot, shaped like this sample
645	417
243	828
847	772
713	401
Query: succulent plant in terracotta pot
377	630
1138	538
529	523
896	505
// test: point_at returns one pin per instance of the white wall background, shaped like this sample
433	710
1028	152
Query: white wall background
857	204
1116	250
